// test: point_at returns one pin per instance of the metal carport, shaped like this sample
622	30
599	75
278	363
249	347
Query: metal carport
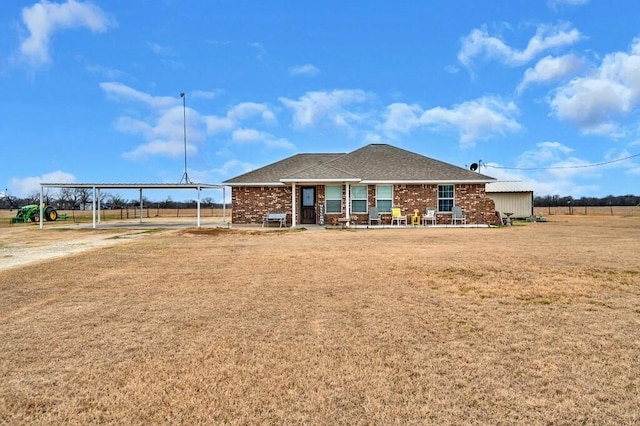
97	187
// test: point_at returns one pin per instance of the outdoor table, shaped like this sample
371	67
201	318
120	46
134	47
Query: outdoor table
415	219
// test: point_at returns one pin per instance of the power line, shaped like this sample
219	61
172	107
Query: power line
562	167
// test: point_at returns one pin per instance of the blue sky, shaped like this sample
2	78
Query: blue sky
536	90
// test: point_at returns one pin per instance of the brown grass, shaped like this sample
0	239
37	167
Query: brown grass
532	324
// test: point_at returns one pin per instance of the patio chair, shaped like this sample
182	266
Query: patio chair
502	219
374	215
397	216
429	217
457	216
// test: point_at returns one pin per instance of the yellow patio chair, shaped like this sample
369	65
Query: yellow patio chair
397	216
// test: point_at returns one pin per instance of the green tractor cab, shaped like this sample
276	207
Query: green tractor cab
31	213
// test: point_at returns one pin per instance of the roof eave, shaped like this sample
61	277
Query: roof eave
424	182
254	184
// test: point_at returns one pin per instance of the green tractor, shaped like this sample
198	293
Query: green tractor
31	213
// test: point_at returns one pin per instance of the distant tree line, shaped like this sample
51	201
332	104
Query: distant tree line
81	199
609	200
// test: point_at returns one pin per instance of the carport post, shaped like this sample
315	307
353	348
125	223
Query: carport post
93	207
141	206
198	203
99	205
41	200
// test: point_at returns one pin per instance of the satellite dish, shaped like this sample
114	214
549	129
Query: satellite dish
473	167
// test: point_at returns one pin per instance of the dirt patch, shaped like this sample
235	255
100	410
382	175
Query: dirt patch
27	244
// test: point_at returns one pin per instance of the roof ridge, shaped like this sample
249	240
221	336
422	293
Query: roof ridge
325	164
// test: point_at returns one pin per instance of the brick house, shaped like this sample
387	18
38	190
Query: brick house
320	188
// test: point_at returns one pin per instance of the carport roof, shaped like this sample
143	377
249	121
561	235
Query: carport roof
197	186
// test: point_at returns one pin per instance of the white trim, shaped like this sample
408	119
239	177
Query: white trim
321	181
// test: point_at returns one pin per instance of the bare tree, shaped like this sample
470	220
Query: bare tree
66	198
116	200
82	197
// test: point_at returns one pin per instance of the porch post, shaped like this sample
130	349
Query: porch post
347	206
293	205
224	204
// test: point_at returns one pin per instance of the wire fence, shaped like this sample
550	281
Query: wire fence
571	209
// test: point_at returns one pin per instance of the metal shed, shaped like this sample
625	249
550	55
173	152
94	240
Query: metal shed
511	197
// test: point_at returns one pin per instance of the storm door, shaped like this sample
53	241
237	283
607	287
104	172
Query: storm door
308	205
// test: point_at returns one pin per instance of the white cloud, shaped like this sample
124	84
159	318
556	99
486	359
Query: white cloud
122	92
554	169
204	94
255	136
161	50
545	154
261	52
306	69
401	117
246	135
551	69
168	148
555	3
44	19
326	107
232	168
480	44
22	187
164	134
475	120
219	124
163	129
246	110
593	102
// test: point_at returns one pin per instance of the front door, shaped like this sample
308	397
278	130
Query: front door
308	205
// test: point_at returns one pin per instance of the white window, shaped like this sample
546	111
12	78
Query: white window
359	199
333	198
384	198
445	198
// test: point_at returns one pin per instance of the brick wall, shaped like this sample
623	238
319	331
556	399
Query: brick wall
478	208
251	204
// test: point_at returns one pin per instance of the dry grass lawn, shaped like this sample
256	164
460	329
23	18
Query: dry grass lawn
531	324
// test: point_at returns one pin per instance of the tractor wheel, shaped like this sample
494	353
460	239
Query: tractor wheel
50	214
34	218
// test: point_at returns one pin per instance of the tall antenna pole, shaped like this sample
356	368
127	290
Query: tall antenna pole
185	176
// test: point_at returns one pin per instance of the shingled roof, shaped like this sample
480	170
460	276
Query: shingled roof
370	164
